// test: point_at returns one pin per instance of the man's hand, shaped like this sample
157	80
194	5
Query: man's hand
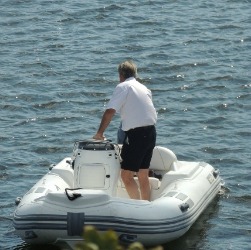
99	137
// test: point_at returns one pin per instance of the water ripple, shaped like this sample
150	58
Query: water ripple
59	68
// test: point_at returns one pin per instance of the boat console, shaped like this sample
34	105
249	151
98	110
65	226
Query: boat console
92	144
96	165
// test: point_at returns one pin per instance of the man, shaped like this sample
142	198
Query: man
134	103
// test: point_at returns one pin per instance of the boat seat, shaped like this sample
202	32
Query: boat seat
154	183
184	170
162	159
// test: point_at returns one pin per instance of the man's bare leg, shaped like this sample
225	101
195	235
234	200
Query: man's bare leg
130	184
144	184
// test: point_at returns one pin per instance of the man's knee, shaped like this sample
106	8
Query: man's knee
126	176
143	174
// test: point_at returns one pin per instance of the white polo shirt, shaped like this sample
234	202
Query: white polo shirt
133	101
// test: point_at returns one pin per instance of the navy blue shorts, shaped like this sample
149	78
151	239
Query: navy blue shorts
138	148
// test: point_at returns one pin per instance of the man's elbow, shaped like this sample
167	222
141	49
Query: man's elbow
110	112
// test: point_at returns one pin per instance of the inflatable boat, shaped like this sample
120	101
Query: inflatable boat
86	189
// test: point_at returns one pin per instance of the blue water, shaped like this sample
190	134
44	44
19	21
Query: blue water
58	68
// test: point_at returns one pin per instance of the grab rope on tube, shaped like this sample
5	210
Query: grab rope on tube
73	196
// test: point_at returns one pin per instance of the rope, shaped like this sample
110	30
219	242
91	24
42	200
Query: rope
74	195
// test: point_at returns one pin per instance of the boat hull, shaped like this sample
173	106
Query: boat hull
54	211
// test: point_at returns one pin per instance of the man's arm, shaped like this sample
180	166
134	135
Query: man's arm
106	119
